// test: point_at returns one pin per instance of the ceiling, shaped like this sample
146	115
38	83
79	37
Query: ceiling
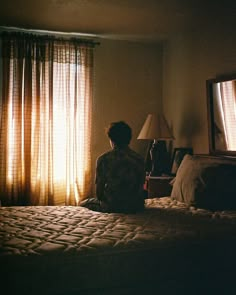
121	19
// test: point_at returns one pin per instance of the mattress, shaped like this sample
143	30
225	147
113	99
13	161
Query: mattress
73	250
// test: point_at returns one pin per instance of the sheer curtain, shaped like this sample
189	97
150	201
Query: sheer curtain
45	133
225	92
228	94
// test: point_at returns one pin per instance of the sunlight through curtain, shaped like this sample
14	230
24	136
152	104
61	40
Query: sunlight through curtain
45	134
225	92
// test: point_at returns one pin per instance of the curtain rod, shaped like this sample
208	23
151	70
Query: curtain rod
66	35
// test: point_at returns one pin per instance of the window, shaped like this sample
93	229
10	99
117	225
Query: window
225	118
45	134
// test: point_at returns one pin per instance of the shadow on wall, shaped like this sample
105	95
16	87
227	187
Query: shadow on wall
189	127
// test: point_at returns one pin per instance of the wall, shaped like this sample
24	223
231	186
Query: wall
189	60
127	86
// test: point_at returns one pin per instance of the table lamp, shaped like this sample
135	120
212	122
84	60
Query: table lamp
155	128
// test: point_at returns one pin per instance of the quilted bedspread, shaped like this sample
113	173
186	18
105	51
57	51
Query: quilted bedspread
71	250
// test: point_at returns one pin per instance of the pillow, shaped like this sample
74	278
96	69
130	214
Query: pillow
206	182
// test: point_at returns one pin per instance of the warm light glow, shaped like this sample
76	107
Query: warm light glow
68	137
48	134
10	158
155	127
10	124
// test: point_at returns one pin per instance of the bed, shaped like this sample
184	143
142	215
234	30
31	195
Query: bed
172	247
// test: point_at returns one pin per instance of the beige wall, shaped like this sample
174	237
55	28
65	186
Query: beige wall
189	60
127	86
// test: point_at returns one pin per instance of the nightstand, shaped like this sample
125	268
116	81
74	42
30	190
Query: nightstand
159	186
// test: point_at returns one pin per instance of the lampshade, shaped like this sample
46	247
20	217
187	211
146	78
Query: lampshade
155	127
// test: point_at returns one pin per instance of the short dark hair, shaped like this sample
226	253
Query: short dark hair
120	133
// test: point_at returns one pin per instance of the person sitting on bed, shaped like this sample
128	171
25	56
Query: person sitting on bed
120	175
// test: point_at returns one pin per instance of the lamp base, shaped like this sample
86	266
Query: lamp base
158	154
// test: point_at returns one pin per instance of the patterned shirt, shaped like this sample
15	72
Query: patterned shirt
120	175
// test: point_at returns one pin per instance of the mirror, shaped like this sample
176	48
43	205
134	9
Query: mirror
221	103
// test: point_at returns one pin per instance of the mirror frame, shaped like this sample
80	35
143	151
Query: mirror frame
210	115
